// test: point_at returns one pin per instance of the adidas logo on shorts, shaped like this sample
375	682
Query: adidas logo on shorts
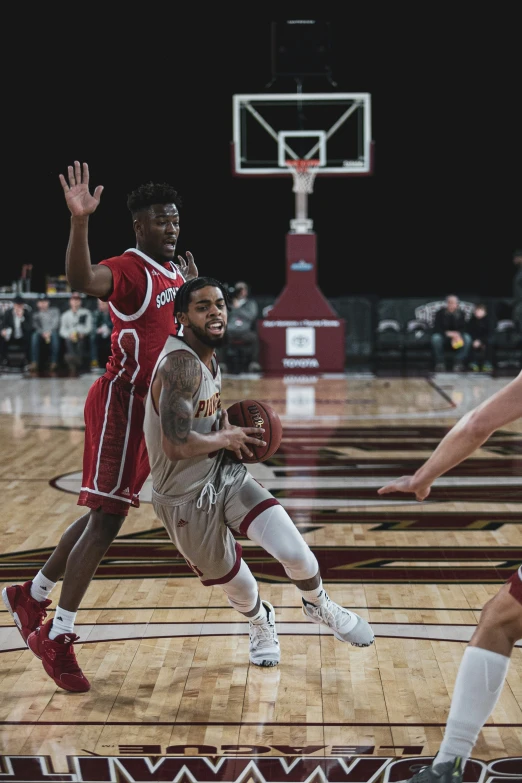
182	523
125	491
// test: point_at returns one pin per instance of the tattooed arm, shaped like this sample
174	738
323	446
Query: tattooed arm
180	376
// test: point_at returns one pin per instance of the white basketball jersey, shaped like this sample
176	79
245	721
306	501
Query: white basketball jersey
185	478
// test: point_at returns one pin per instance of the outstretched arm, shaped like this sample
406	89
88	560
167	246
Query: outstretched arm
180	377
504	407
95	280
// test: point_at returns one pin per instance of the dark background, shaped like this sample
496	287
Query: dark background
151	99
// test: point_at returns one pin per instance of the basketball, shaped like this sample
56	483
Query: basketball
253	413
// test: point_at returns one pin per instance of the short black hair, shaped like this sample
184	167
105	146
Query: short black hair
152	193
181	304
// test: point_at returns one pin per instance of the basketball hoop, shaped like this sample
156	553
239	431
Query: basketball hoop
304	172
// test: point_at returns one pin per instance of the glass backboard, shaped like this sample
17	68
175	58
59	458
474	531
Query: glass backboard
270	129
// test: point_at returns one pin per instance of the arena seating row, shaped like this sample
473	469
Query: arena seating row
390	333
395	333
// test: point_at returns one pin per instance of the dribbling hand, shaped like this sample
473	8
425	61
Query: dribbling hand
76	189
241	437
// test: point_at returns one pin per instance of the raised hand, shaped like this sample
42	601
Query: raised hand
188	268
406	484
76	189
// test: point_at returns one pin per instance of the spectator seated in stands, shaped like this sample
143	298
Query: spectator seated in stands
449	333
241	350
46	325
479	328
75	327
15	333
100	335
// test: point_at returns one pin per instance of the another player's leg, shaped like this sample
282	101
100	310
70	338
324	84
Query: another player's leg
53	641
115	466
27	603
273	530
479	683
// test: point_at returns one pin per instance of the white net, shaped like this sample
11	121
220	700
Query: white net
304	173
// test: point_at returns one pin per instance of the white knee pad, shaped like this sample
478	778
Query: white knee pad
242	590
276	533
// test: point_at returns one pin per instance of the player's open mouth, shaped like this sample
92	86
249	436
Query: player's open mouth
170	245
216	327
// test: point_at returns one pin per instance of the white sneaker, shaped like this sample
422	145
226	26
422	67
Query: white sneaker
347	626
264	645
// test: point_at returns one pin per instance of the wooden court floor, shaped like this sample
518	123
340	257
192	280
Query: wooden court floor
173	696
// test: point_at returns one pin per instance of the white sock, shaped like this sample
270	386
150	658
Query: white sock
41	587
261	616
478	686
63	622
316	596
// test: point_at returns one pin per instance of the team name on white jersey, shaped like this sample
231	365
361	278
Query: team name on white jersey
208	407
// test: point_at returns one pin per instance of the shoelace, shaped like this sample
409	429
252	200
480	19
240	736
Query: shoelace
40	610
65	655
262	633
210	491
328	612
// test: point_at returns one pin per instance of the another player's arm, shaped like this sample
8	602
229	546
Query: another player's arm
82	275
180	377
469	433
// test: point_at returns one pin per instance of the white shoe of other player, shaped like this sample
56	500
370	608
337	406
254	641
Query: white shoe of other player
264	644
347	626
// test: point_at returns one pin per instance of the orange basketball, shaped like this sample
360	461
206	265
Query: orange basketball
253	413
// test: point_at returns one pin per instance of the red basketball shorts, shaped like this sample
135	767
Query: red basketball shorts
115	462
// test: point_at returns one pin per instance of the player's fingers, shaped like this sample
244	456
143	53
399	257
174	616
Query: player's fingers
254	430
190	256
256	441
70	174
85	174
385	490
98	192
63	182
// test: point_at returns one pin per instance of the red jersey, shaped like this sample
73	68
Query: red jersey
142	311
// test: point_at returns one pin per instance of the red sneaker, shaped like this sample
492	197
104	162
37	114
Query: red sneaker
58	658
27	612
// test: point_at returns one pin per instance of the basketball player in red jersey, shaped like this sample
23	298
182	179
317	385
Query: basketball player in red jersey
484	666
140	286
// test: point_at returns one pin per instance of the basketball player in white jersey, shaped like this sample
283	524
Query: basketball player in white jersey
485	663
202	491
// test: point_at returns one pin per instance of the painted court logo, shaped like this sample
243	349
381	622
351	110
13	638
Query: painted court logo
271	769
